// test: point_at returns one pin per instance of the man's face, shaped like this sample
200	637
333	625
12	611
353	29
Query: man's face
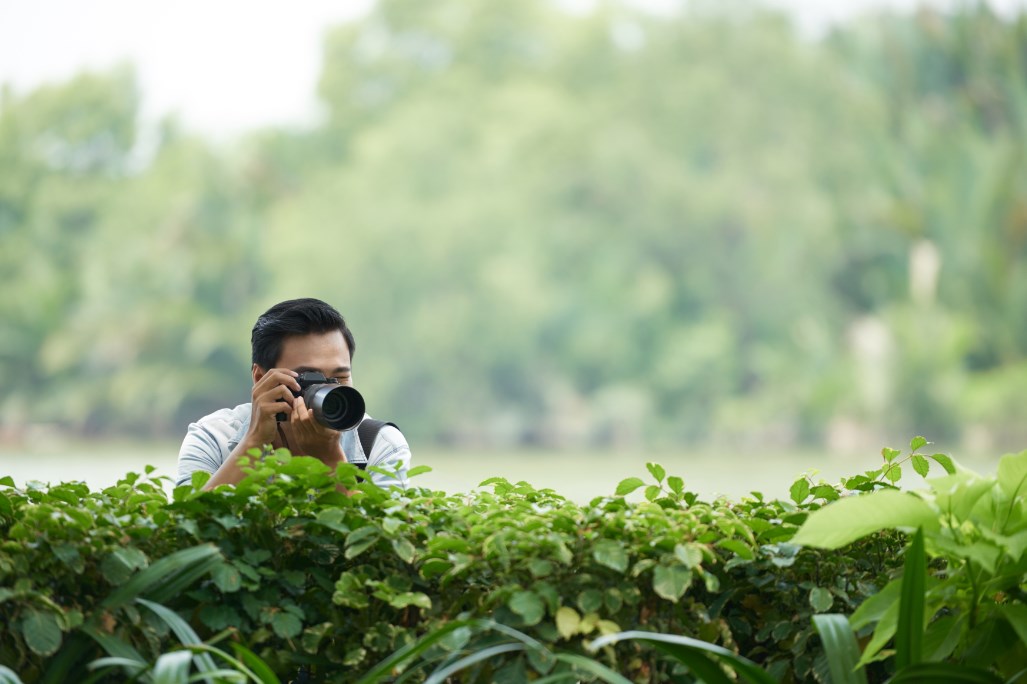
326	353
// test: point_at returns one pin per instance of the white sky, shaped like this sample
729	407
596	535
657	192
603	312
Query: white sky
224	66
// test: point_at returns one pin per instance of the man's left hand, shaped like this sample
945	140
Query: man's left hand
307	437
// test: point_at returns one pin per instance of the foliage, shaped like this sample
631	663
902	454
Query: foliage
585	221
307	576
974	531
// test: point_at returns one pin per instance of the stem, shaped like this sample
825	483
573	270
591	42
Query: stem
974	590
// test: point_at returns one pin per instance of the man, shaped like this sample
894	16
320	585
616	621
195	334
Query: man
290	338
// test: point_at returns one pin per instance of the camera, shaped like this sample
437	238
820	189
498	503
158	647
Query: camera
335	406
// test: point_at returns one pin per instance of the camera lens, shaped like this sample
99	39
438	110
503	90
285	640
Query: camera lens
339	407
333	407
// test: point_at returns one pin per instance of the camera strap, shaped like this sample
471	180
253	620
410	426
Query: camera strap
367	432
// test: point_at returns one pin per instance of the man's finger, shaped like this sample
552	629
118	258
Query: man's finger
299	408
279	376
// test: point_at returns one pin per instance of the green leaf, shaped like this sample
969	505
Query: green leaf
629	485
1016	615
590	600
360	540
909	636
916	443
738	546
410	598
7	481
841	649
945	462
418	470
893	473
689	554
567	621
42	632
890	454
826	492
846	520
286	625
528	605
671	581
656	470
226	577
652	492
920	465
676	484
821	599
611	554
218	616
539	567
1012	474
404	549
799	490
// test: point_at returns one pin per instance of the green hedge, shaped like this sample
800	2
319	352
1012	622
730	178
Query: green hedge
304	575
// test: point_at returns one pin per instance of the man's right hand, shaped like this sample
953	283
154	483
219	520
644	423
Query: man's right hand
272	394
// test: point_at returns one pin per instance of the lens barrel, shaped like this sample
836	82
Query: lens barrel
339	407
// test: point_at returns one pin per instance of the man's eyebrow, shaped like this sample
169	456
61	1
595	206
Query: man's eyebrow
309	369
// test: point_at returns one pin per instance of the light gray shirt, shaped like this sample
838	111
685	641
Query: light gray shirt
210	440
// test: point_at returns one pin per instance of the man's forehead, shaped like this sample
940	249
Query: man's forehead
315	350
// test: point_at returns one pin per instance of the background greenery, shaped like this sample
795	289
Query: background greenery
551	228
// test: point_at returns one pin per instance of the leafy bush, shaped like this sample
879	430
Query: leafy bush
305	576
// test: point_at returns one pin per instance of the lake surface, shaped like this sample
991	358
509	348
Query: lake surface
577	475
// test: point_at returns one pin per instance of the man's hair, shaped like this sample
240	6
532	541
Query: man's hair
294	317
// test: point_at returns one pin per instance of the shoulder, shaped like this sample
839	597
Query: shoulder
224	422
391	436
228	417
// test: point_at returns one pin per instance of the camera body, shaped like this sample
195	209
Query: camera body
339	407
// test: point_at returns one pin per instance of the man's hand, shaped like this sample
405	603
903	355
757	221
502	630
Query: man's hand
271	395
307	437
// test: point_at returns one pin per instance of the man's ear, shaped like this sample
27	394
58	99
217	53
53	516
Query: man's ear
257	372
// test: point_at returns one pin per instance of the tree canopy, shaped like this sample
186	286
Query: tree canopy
551	227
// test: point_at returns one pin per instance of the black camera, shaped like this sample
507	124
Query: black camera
339	407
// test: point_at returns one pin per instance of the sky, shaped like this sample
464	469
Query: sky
264	74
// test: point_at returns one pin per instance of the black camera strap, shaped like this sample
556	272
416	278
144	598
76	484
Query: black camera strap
367	432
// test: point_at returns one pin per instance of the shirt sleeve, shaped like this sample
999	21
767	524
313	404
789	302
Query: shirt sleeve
201	450
391	453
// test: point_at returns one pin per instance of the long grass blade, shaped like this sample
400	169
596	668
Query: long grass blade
8	676
72	652
261	672
944	673
185	634
841	649
685	649
172	668
440	675
190	563
412	650
909	636
592	667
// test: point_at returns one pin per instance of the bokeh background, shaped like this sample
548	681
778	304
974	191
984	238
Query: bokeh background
743	239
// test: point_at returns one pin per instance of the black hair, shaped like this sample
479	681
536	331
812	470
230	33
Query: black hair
294	317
